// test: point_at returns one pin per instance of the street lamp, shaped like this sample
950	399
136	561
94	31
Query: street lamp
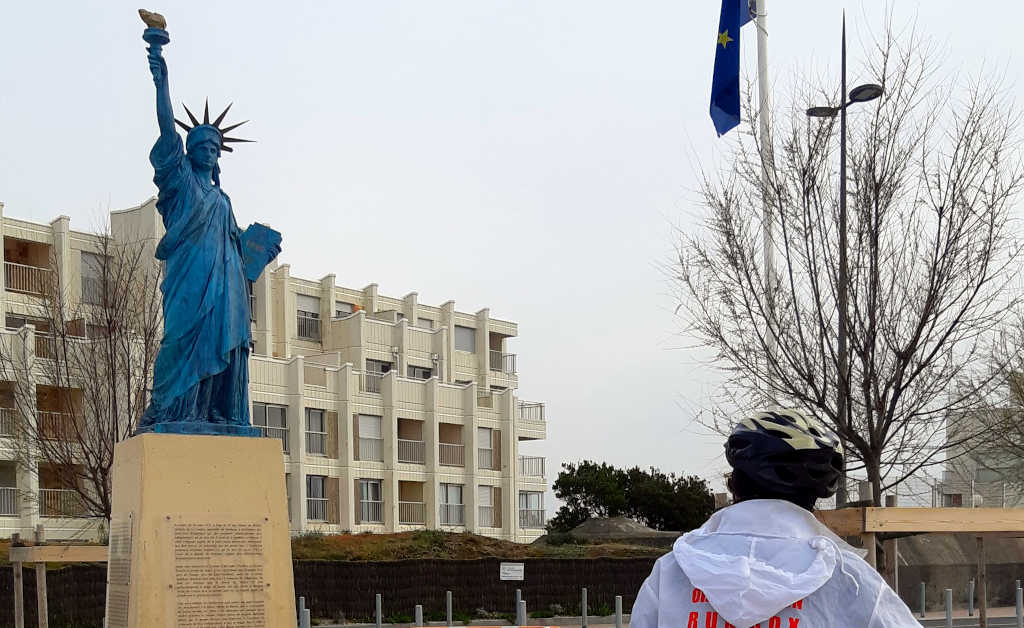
861	93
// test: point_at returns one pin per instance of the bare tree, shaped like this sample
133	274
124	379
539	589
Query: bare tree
934	170
80	377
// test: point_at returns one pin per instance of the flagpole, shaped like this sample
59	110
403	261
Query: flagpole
767	165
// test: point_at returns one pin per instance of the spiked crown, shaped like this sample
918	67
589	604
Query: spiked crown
215	125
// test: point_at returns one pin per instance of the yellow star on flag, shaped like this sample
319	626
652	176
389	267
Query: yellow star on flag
724	39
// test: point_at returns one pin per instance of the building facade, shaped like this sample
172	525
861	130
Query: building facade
393	415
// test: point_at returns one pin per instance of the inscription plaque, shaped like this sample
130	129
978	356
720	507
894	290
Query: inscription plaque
217	572
119	564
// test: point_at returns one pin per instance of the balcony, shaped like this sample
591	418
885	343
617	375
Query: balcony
60	502
8	421
531	467
452	454
308	327
411	451
371	449
485	458
530	411
371	511
92	290
280	433
55	425
503	362
8	501
27	279
488	517
370	382
411	513
46	347
316	508
530	518
316	443
453	514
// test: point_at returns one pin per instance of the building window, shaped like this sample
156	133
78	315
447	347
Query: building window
485	447
371	504
463	382
307	317
425	323
531	509
371	443
272	421
452	509
485	501
419	372
92	278
316	432
953	500
342	308
252	302
465	339
316	497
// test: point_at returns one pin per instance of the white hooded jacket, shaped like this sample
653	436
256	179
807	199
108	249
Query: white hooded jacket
766	563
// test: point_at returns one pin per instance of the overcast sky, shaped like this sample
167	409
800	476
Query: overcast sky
533	157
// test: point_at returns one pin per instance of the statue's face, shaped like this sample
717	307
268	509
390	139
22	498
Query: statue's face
204	156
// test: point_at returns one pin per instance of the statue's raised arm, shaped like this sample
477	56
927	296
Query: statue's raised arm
156	36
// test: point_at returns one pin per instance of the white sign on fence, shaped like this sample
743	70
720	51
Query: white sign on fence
512	571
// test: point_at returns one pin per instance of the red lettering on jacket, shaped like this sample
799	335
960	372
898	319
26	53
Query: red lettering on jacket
728	625
711	620
794	622
692	623
775	622
799	604
698	596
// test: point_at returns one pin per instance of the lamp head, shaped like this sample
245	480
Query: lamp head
866	92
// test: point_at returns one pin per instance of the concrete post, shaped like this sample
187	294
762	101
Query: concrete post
419	615
618	611
970	597
583	608
1020	607
377	610
519	598
448	607
304	620
949	608
922	601
521	614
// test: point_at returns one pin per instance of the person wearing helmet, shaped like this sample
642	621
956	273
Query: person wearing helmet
766	561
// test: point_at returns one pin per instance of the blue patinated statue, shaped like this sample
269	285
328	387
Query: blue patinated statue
201	376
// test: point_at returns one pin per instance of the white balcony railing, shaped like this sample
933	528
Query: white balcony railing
370	382
92	290
411	451
280	433
316	443
531	466
60	502
46	347
27	279
485	458
487	518
411	513
371	511
453	514
8	421
8	501
308	328
316	508
503	362
531	518
54	425
452	454
371	449
530	411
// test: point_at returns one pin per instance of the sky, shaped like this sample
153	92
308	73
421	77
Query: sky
536	157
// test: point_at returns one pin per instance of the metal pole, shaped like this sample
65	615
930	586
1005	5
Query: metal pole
1020	607
767	166
519	598
377	610
521	613
844	393
304	621
302	605
448	606
583	608
419	614
970	598
922	600
618	611
949	608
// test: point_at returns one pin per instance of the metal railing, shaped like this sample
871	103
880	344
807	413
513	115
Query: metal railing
531	466
46	347
530	411
8	421
370	382
316	443
411	451
371	449
8	501
27	279
60	502
502	362
531	518
308	328
54	425
92	290
453	514
411	513
371	511
280	433
452	454
316	508
485	458
487	518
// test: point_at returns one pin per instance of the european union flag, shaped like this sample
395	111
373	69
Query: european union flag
725	85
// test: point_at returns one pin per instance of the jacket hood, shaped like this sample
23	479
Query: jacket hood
757	557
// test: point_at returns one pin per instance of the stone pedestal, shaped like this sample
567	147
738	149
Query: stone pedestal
199	534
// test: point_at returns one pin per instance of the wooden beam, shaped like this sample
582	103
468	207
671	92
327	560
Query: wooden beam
60	554
951	520
871	545
19	597
42	610
843	522
981	588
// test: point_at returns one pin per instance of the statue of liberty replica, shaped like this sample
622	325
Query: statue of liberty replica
201	375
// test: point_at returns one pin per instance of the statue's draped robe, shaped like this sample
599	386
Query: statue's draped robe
201	371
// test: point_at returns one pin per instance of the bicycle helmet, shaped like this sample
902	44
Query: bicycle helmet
786	453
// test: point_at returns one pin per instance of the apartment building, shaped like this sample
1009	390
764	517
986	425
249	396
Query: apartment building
392	414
